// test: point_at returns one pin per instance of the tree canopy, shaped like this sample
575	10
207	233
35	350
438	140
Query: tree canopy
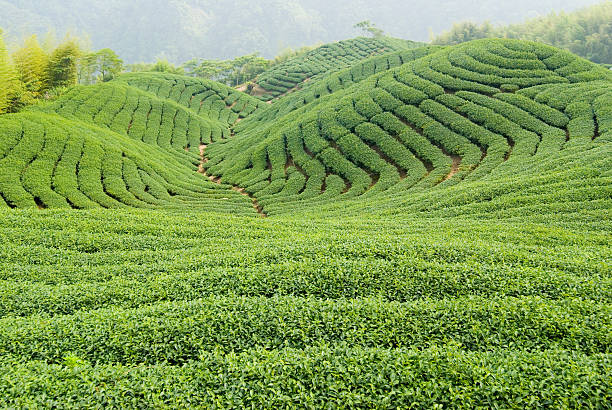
231	72
102	65
5	76
586	32
369	28
32	63
62	69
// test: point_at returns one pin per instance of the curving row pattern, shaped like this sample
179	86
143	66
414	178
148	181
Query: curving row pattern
393	132
297	72
111	146
464	113
208	99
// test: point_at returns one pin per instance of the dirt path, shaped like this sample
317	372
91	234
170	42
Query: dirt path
217	180
258	91
454	168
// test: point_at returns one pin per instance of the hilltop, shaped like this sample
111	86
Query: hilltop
324	60
585	32
397	225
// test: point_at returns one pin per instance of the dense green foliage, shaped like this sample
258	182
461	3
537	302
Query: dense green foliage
99	66
168	309
285	77
586	32
7	77
412	227
327	83
33	73
62	69
231	72
473	113
114	145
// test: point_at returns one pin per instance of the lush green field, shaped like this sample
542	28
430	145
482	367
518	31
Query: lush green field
458	120
205	308
293	74
425	228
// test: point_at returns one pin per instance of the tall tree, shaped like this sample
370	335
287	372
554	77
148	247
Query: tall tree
369	28
164	66
4	76
109	64
31	63
11	89
466	31
231	72
102	65
62	70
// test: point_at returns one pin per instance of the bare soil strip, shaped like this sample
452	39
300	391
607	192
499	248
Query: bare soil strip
217	180
454	168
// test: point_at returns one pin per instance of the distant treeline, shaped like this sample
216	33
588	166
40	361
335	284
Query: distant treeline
586	32
233	72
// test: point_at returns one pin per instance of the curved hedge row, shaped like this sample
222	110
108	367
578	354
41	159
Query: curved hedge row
285	77
51	162
206	98
239	324
376	132
439	237
321	376
179	308
447	115
329	83
142	116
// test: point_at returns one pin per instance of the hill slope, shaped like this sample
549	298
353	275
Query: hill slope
115	145
471	113
292	74
402	128
438	234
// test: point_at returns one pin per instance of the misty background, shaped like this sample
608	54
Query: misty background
179	30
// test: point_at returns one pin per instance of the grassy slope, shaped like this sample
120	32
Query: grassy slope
411	135
296	72
121	144
471	267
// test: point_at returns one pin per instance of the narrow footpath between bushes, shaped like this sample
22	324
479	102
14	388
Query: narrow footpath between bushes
217	180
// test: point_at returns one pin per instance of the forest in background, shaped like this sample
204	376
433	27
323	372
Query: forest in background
181	30
586	32
40	70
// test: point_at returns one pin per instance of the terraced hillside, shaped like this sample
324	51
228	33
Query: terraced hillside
331	82
115	145
437	235
471	114
294	73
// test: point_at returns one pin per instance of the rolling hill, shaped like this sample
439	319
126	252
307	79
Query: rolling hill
472	113
294	73
412	227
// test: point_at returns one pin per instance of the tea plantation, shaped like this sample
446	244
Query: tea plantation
411	227
294	73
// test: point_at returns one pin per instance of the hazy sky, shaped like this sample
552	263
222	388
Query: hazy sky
142	30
